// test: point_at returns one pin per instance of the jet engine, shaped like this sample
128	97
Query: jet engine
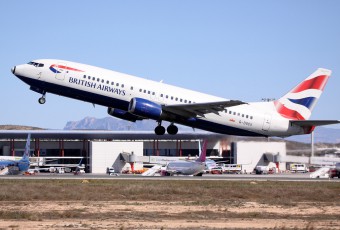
125	115
145	108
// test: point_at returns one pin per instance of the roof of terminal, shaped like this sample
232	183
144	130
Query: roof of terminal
103	134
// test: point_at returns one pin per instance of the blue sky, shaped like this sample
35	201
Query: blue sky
242	50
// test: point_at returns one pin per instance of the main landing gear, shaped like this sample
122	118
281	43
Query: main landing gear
172	129
160	130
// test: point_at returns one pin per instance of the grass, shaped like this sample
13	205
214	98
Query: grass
196	192
206	200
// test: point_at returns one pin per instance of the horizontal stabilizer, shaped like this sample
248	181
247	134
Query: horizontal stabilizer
304	123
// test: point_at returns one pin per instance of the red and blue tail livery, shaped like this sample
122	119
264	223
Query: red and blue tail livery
299	103
132	98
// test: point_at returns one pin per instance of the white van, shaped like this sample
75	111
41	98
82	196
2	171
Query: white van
232	168
297	167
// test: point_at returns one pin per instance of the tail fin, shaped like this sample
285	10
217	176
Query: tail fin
203	152
26	156
298	104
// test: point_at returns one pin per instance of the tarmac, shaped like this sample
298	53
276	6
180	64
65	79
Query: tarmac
223	177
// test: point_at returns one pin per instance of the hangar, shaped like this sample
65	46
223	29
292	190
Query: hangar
98	150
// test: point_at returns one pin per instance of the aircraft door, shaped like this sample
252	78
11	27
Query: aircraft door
266	122
60	71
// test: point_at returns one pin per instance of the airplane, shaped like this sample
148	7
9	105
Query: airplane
15	167
132	98
182	167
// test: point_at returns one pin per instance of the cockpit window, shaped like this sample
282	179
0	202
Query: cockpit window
36	64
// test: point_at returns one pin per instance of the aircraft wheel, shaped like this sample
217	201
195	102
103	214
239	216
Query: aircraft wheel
172	129
42	100
160	130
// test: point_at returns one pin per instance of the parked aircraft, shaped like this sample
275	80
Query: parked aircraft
17	166
132	98
181	167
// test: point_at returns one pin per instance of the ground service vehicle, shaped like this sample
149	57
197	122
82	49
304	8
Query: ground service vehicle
335	172
232	168
296	167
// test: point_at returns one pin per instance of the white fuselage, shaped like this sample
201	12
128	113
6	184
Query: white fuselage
115	90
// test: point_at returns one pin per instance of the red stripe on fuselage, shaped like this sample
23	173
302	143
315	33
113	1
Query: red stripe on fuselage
318	82
66	68
287	113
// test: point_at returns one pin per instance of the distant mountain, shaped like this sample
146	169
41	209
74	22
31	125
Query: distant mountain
18	127
111	123
321	134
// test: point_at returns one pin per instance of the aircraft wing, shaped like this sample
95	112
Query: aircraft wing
200	109
303	123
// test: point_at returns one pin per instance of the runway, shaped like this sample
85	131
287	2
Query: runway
223	177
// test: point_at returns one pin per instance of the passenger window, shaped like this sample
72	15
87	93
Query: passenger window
251	117
117	84
98	79
234	113
166	96
189	102
93	79
144	91
131	87
172	97
89	77
185	101
122	85
176	99
84	76
112	83
102	80
161	95
229	112
181	100
246	116
148	92
140	90
107	82
242	115
153	93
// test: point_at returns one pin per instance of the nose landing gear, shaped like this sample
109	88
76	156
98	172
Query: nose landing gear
42	100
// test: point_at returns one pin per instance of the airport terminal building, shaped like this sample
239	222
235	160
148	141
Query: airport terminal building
126	150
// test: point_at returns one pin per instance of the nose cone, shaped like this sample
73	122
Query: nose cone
13	69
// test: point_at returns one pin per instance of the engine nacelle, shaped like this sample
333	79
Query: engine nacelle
125	115
145	108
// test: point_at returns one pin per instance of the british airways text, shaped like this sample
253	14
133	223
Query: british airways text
94	85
